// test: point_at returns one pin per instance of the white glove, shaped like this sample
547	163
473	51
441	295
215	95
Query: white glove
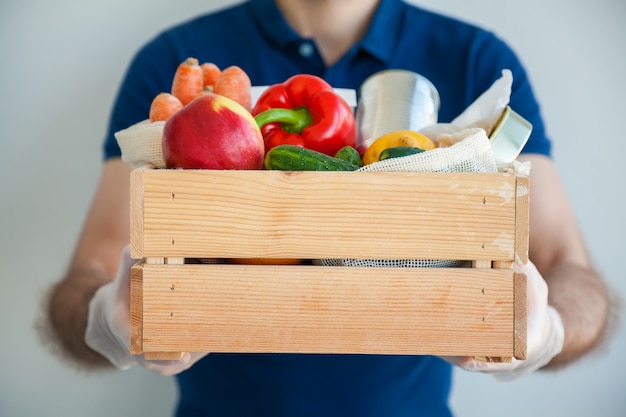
545	335
108	326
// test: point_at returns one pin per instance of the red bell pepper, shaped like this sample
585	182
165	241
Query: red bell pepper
305	111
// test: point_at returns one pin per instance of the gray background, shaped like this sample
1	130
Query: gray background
61	63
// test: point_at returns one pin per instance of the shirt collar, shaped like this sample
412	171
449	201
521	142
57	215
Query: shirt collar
379	41
272	22
381	38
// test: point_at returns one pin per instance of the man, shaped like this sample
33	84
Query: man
343	41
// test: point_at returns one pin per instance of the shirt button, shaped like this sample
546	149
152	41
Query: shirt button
306	50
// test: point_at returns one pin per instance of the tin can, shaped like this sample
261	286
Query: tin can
393	100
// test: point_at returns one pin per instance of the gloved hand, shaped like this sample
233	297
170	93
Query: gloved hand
545	334
108	326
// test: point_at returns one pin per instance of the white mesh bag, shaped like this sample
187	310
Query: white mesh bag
141	144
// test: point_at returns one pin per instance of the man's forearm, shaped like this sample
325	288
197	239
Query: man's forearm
585	306
67	312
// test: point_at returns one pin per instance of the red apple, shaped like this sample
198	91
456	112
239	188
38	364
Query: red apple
212	132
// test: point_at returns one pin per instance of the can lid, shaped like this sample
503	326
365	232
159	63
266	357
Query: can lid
509	136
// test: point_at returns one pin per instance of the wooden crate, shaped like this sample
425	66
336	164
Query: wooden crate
181	215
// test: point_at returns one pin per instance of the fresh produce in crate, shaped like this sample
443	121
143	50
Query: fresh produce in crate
399	152
212	132
193	79
350	154
188	82
305	111
297	158
396	138
163	106
234	83
142	143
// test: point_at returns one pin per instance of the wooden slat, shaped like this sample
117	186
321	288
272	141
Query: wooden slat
273	214
235	308
136	318
522	215
136	214
163	356
520	333
136	308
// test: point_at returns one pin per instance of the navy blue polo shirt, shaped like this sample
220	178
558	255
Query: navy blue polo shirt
461	60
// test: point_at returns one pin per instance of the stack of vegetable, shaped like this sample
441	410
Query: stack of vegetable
301	124
193	79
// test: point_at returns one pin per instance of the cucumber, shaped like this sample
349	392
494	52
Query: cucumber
296	158
398	152
349	154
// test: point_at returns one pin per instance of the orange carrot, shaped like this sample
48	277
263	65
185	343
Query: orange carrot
188	83
210	73
163	106
235	84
